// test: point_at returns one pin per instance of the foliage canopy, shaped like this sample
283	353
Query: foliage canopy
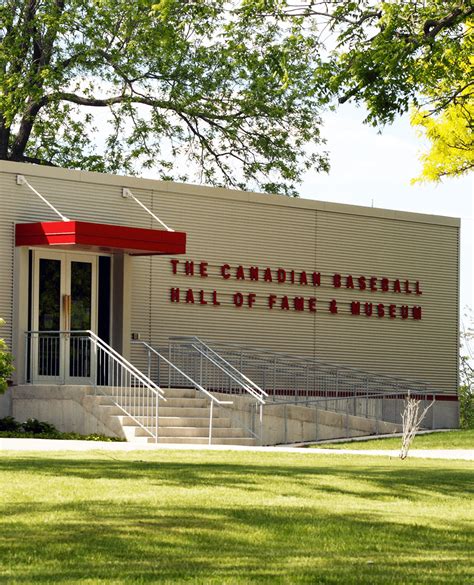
237	87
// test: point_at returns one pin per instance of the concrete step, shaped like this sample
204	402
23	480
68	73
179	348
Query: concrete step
171	421
205	441
194	432
181	392
149	401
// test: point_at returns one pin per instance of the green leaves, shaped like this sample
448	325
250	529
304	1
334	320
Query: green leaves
235	88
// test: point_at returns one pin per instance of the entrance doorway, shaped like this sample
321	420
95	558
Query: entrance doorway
63	309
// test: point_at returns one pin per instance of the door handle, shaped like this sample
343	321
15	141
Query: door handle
67	312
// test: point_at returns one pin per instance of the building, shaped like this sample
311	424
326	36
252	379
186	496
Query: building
355	293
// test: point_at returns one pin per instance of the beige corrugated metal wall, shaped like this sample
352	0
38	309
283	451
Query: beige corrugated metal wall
305	235
259	230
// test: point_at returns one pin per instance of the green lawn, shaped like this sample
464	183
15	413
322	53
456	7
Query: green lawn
444	440
234	517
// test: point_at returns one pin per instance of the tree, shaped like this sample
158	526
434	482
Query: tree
466	372
233	94
452	144
388	55
236	86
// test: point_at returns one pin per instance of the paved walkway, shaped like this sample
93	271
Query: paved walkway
58	445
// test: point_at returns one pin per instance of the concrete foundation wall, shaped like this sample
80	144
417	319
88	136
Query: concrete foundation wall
71	409
287	423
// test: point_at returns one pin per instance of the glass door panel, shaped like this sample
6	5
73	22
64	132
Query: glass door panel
49	317
81	315
81	283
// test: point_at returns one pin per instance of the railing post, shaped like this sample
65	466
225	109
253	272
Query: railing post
211	411
169	369
261	423
157	416
307	384
26	357
200	369
433	412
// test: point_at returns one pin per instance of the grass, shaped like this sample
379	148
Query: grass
445	440
234	517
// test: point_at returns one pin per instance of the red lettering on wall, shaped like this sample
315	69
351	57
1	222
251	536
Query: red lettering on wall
355	308
267	275
373	283
381	310
312	304
396	286
384	284
239	273
174	295
285	304
333	306
349	282
189	268
281	275
202	300
336	280
251	299
214	298
404	311
271	301
238	299
408	290
368	309
416	311
392	311
362	283
174	264
190	296
253	272
225	271
316	278
303	278
292	276
203	269
299	303
418	290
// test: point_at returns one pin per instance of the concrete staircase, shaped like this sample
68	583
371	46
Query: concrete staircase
183	418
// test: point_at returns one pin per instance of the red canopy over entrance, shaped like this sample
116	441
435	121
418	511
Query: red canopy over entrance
97	237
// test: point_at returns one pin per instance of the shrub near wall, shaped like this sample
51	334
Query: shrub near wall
6	363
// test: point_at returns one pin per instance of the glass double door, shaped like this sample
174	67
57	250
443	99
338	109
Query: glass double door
64	308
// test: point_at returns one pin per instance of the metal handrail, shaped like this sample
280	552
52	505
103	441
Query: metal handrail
213	399
225	366
117	369
175	367
110	351
267	363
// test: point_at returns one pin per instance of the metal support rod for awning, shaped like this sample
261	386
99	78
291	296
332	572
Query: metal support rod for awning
129	195
21	180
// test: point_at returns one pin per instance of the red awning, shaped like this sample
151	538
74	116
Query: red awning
98	237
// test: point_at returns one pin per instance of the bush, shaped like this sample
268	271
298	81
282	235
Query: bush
466	407
6	363
36	427
9	424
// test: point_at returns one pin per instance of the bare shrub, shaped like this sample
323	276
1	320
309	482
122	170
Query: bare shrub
411	419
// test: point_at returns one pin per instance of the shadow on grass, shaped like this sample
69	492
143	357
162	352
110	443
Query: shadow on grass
106	542
386	480
260	532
